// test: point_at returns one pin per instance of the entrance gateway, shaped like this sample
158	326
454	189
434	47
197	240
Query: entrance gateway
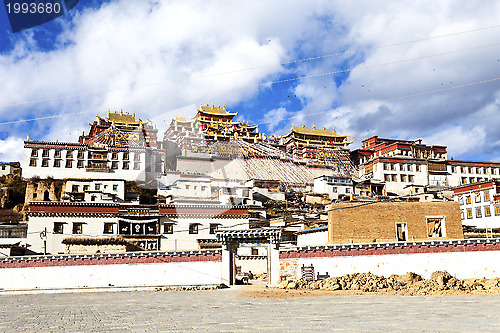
231	239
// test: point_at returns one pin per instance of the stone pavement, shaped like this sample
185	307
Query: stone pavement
225	311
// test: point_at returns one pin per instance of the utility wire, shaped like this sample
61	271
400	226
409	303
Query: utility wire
266	84
383	100
252	68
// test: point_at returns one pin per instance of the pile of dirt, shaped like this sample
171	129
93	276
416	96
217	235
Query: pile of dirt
440	283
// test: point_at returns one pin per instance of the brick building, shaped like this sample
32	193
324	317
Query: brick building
393	221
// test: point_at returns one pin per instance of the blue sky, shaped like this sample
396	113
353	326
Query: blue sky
163	58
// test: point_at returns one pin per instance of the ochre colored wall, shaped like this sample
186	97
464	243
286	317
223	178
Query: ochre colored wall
377	221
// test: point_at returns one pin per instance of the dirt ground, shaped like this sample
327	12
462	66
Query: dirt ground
259	290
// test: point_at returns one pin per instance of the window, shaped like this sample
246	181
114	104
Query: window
57	154
58	228
168	228
204	188
393	166
417	167
386	166
80	155
45	162
487	211
74	188
45	153
69	163
114	165
92	198
469	213
410	178
478	197
125	166
193	228
57	163
255	251
213	228
478	212
137	165
137	157
187	187
497	210
401	232
33	162
403	178
114	156
108	228
461	200
86	188
347	190
79	164
468	199
387	178
77	228
125	156
435	227
471	170
34	152
69	154
453	169
115	187
97	187
334	189
486	196
464	180
393	178
462	214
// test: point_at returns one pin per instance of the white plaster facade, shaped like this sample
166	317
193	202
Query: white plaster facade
334	186
61	160
478	206
312	237
95	190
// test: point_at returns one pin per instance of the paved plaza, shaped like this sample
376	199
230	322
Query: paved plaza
226	311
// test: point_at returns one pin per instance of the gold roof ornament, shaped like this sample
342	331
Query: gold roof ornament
314	126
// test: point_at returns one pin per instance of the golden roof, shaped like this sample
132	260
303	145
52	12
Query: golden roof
215	110
318	132
121	118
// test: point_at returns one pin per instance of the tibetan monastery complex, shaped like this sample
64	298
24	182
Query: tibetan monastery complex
213	143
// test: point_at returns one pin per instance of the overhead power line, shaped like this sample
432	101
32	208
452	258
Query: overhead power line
250	68
385	100
271	83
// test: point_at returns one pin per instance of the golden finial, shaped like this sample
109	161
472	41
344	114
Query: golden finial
293	125
121	111
304	126
213	105
28	138
314	126
333	128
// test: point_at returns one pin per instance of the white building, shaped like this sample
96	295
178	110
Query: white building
94	190
153	227
313	236
117	147
479	204
334	186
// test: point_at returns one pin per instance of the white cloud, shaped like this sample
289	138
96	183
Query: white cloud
10	149
154	57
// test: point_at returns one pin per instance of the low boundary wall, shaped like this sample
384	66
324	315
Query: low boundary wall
144	269
461	258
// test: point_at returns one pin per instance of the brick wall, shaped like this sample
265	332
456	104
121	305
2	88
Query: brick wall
377	221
